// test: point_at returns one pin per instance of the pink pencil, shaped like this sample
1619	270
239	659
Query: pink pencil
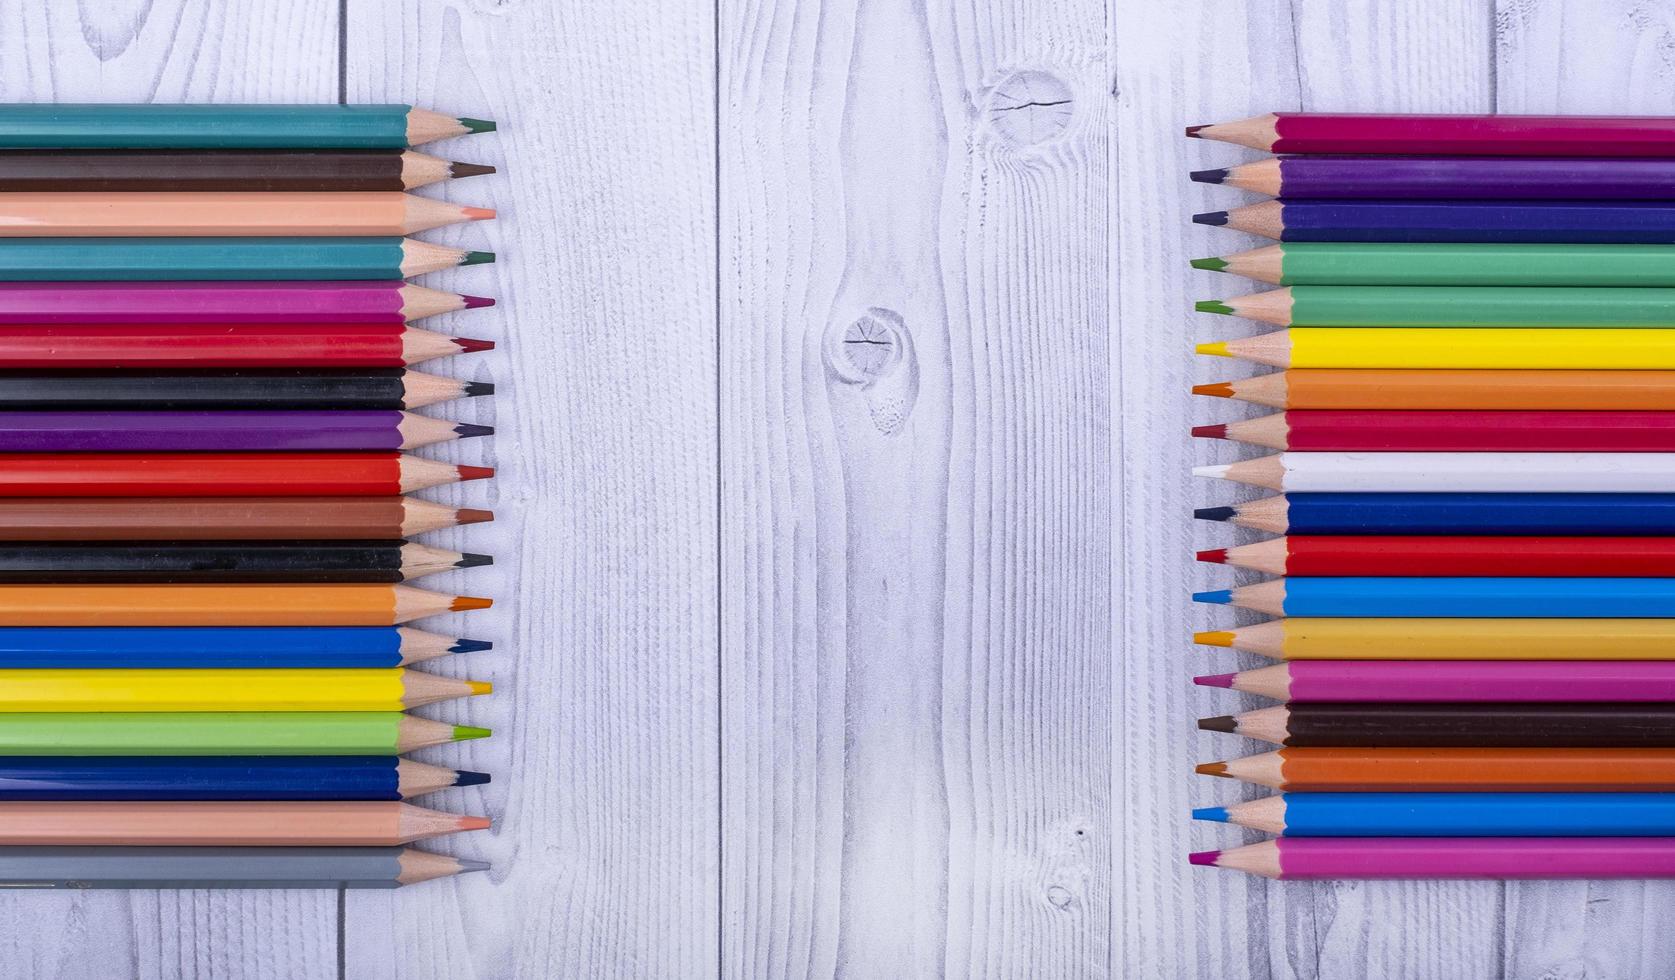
1304	858
1456	680
225	302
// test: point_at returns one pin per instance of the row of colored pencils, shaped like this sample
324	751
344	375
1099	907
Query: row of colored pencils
206	412
1474	583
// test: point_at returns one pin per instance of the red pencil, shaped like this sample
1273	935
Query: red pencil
247	345
224	474
1424	555
1331	430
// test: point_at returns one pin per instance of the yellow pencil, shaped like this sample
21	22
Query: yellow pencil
1302	638
1448	347
260	689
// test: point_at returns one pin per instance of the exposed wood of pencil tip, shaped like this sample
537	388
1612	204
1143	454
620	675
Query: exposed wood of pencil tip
1271	390
425	430
1266	639
1273	306
420	389
420	516
1272	431
1265	471
419	645
423	345
419	473
1273	681
414	733
1262	769
420	689
1258	177
419	257
1257	132
418	302
1272	349
1264	597
420	823
417	866
421	169
414	603
1267	557
425	126
1265	218
1266	814
1261	858
419	560
1264	724
425	213
419	778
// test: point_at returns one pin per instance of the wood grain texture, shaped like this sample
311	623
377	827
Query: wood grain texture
917	515
170	51
604	760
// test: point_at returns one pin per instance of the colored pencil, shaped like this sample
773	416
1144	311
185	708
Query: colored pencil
1444	178
287	389
1326	388
227	474
1595	348
1455	681
83	868
1441	597
1450	264
1307	555
238	214
214	259
235	431
218	604
1568	222
227	561
226	170
254	689
1532	858
226	518
229	823
215	127
1448	134
224	733
1449	306
1483	723
280	345
1485	770
1497	472
1454	513
224	303
1446	814
1472	638
1408	431
182	647
341	777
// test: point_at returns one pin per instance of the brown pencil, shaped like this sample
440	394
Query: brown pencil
226	170
225	518
231	823
79	214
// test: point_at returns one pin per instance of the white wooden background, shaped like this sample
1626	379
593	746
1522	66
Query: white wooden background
844	540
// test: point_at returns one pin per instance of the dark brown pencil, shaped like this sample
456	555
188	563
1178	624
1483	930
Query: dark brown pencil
1404	724
225	170
225	518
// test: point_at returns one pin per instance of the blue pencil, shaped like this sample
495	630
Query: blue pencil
1492	598
1454	513
1453	814
342	777
112	647
1576	222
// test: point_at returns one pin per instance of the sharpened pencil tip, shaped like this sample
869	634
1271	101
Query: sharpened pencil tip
472	515
477	125
466	603
462	645
1220	597
474	473
1192	131
1211	264
1220	723
477	389
470	346
465	777
484	214
477	302
1214	680
477	258
1214	472
1206	858
1209	176
1213	306
482	823
1203	218
1216	813
469	560
1213	638
1215	556
1214	513
480	687
468	865
1215	389
464	733
458	169
471	430
1216	348
1210	431
1212	769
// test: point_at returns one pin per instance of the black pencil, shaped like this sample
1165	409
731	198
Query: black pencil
291	389
225	170
1609	725
227	561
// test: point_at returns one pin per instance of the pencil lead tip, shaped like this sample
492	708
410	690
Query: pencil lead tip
1219	597
1218	431
1211	264
468	865
477	389
464	733
1216	389
1214	513
1211	769
465	777
475	257
1215	556
457	170
1215	813
1216	348
1214	680
471	430
469	560
1213	306
480	687
484	214
477	125
1214	638
472	515
469	346
466	603
1205	858
1215	471
1209	176
1210	218
468	473
474	823
1192	131
1220	723
477	302
463	645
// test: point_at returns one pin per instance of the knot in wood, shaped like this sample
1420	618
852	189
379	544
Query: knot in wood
870	348
1030	107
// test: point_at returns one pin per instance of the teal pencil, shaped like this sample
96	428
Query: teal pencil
202	259
226	127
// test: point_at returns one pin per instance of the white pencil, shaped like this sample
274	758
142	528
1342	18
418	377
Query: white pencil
1455	472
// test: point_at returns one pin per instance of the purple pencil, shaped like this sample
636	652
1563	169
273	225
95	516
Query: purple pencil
1461	178
1305	858
1456	680
348	431
226	302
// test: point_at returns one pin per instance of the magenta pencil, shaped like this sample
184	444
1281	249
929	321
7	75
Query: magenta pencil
1455	680
225	302
1313	858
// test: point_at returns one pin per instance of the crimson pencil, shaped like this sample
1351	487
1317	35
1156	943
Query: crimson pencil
1341	430
1480	135
201	345
221	303
302	474
1436	555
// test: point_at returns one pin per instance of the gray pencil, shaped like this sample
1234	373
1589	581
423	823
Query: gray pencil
226	867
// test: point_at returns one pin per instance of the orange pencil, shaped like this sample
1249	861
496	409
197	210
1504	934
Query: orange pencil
104	214
224	605
1491	390
226	824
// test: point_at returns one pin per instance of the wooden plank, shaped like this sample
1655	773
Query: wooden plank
605	774
917	512
1608	58
175	51
1209	61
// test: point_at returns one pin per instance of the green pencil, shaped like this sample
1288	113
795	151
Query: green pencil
225	733
1454	306
1407	264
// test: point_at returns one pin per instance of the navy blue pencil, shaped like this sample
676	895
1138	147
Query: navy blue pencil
340	777
198	647
1575	222
1582	514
